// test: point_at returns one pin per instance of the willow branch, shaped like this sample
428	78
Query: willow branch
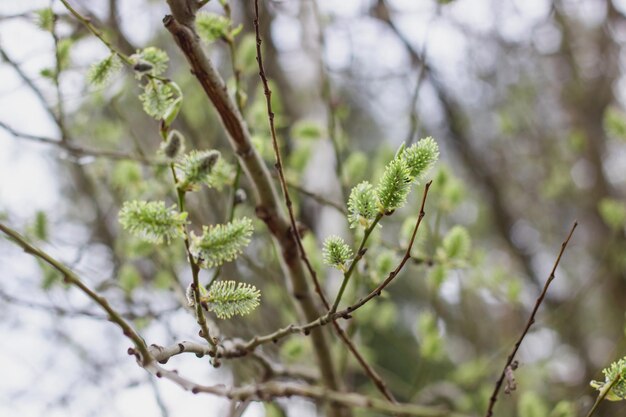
279	163
529	323
273	389
71	278
79	150
269	208
243	349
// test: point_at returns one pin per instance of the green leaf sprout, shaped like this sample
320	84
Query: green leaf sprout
614	381
421	157
362	205
101	72
150	60
230	298
211	26
336	252
152	221
408	166
221	243
195	169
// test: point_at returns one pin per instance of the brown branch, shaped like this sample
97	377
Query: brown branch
273	389
529	323
245	348
371	373
269	207
79	150
279	163
71	278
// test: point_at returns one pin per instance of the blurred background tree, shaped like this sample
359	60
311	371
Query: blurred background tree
524	98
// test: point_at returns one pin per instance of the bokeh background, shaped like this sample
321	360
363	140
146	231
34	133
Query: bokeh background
525	99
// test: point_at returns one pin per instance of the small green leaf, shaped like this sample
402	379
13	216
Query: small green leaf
394	186
307	130
362	208
230	298
195	169
129	278
45	19
531	405
157	98
221	243
613	213
152	221
615	378
150	60
101	72
40	225
457	243
421	156
336	252
615	122
211	26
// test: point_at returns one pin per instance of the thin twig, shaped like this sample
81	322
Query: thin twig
243	349
529	323
279	162
71	278
273	389
603	394
79	150
279	167
318	198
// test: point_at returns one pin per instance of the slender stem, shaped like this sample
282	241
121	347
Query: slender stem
529	323
243	348
359	254
71	278
279	161
87	22
603	394
195	268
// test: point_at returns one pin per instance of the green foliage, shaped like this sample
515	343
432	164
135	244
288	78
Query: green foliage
230	298
437	275
45	19
563	409
431	343
64	47
152	221
355	168
157	98
615	122
613	212
222	174
174	145
362	205
129	278
385	263
221	243
150	60
195	168
246	54
531	405
394	186
306	130
336	252
457	243
211	27
294	349
421	157
127	177
408	165
40	225
101	72
614	375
